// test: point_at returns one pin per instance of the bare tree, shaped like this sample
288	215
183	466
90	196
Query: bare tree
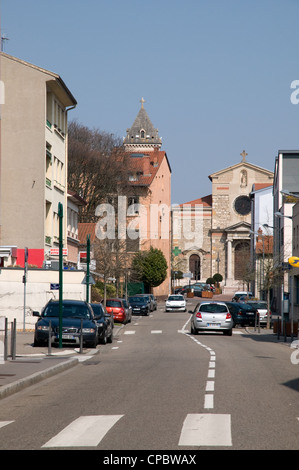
97	167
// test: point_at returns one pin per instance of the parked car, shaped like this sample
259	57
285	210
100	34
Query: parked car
148	299
154	301
241	294
73	311
119	309
243	314
140	305
212	316
175	302
105	323
262	309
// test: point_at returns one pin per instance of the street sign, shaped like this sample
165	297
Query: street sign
91	280
190	275
294	261
54	286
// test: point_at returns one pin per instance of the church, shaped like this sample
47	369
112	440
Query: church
211	234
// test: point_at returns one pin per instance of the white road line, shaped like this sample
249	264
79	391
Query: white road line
209	401
5	423
206	430
130	332
156	331
210	386
209	398
86	431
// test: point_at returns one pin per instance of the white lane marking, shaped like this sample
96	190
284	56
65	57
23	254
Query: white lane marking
115	347
209	398
206	430
156	331
130	332
210	386
209	401
5	423
86	431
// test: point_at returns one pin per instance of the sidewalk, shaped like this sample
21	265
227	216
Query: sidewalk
33	364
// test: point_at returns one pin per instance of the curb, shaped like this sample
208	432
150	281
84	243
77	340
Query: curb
14	387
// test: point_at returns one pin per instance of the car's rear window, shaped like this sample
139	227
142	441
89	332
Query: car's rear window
213	308
261	305
113	303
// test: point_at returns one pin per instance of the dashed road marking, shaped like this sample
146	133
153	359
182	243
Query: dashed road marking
5	423
86	431
206	430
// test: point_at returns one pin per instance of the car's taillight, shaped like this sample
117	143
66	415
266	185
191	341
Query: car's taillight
228	316
198	315
240	312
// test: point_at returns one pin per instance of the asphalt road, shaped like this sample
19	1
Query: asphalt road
159	388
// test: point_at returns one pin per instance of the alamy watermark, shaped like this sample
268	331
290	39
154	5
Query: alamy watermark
295	94
149	222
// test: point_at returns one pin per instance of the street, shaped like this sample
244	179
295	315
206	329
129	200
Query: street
159	388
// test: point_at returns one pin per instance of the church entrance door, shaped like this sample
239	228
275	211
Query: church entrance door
242	261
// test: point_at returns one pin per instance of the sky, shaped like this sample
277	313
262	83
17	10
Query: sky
215	75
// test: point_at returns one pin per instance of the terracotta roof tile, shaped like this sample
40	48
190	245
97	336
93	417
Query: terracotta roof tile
85	229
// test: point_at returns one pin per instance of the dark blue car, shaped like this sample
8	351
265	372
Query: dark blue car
73	312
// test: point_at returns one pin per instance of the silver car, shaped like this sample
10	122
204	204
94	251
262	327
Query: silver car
212	316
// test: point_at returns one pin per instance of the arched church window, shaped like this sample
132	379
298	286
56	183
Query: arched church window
142	134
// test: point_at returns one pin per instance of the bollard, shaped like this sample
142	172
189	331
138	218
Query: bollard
5	339
13	339
50	339
81	337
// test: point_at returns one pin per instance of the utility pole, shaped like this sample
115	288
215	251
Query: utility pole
60	216
87	267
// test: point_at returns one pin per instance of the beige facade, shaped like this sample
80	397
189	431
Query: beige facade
222	223
33	155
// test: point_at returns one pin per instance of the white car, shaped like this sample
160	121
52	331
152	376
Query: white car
175	302
262	309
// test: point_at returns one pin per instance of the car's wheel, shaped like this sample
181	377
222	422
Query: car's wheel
110	339
104	340
37	343
228	332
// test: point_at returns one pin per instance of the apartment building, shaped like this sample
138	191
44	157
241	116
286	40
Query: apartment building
33	161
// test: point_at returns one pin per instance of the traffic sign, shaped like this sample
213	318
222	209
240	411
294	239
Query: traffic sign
54	286
294	261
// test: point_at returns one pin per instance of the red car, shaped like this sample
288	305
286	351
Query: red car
120	310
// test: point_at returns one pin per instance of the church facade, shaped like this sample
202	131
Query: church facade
212	234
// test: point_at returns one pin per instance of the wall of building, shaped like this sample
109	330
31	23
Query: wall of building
38	292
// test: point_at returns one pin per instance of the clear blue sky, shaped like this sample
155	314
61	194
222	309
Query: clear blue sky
215	74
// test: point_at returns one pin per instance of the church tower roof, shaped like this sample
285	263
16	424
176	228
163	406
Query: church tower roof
142	135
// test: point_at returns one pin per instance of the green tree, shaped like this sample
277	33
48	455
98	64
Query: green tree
150	267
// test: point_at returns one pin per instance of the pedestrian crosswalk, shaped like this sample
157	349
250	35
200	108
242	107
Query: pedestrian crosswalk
88	431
